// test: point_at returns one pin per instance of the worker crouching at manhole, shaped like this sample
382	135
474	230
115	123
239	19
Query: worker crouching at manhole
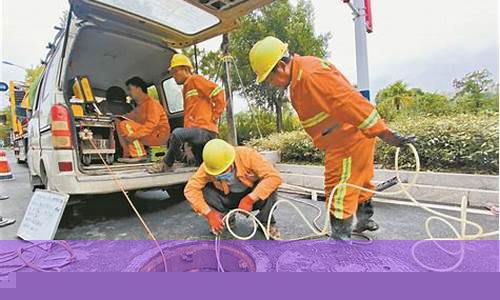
338	119
204	103
233	177
146	125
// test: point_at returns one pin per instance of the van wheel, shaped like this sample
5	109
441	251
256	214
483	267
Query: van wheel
176	192
43	178
36	183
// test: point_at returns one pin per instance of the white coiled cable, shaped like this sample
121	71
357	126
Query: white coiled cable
437	216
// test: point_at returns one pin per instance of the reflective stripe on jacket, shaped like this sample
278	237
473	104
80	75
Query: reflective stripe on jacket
204	103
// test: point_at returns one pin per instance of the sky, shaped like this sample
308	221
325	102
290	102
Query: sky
426	43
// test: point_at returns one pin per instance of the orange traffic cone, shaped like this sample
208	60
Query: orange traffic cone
5	173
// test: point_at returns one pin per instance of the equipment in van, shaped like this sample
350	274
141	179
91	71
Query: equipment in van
83	90
91	123
102	133
77	107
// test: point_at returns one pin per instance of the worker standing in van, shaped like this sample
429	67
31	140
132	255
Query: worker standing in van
338	119
233	177
204	103
146	125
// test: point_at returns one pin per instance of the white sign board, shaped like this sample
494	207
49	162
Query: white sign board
43	215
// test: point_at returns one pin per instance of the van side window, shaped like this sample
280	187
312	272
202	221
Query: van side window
49	88
173	94
51	77
37	95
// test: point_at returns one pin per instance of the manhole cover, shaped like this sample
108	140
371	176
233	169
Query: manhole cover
199	256
337	257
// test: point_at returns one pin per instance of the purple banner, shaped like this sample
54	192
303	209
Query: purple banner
246	256
108	269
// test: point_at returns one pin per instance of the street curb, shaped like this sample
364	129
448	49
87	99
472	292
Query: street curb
431	187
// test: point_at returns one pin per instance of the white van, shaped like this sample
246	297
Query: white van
108	42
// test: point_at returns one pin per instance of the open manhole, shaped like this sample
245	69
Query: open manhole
199	256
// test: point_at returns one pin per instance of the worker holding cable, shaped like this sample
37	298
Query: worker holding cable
204	103
339	120
230	178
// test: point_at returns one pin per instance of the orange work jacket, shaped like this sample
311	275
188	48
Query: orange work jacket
330	109
204	103
152	117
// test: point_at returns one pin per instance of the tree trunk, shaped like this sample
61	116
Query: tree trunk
279	116
232	137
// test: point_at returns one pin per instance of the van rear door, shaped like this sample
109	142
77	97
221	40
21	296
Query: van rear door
179	23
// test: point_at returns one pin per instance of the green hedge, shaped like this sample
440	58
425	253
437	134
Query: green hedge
461	143
246	125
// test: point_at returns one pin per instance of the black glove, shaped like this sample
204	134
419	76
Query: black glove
397	140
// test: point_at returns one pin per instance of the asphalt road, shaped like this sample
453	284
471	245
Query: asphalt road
108	217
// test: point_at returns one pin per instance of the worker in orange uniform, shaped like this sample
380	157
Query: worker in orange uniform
146	125
338	119
233	177
204	103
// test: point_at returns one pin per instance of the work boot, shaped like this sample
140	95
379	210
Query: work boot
364	216
159	167
132	160
341	229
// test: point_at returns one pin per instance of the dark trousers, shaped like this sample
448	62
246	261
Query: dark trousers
224	203
196	137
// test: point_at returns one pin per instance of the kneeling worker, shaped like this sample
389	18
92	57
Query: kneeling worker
233	177
146	125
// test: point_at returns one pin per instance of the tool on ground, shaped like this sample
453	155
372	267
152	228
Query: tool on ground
387	184
319	231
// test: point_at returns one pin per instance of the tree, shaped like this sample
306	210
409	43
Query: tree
398	100
431	104
284	21
472	90
32	74
5	127
397	94
394	98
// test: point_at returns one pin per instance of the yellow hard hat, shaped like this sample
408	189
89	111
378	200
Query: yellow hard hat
218	156
179	60
264	56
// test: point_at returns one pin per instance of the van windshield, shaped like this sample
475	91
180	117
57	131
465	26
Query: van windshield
176	14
